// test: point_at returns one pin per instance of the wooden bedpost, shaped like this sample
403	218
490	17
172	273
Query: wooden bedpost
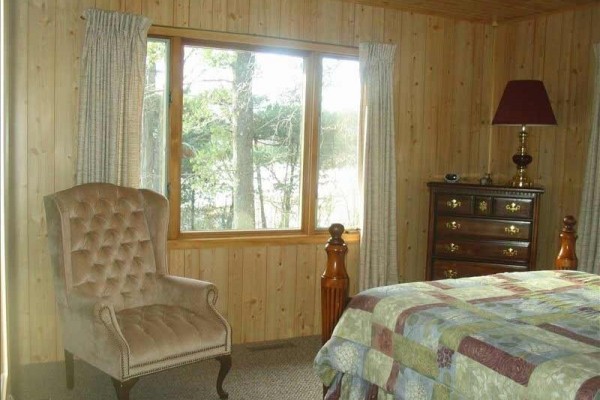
567	259
334	282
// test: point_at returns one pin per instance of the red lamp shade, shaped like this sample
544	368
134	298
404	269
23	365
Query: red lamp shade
524	102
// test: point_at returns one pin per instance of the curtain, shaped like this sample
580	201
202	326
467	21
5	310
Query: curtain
112	89
589	210
378	247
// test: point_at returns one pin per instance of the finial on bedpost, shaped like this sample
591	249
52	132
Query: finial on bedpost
567	258
336	231
334	282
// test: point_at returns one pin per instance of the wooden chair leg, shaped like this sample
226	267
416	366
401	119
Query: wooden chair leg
225	367
123	388
69	369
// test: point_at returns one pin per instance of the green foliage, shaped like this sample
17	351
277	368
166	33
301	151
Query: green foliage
153	167
206	168
208	128
338	140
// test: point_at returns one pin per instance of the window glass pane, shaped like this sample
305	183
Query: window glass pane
153	172
242	140
338	198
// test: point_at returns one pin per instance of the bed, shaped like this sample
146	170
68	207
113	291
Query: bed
518	335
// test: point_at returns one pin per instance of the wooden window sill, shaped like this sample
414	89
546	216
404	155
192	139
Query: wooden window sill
191	240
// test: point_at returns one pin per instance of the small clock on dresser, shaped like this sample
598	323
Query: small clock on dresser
480	230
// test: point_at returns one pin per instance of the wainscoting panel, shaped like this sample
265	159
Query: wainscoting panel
266	293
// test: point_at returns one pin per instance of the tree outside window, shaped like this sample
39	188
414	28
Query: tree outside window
243	136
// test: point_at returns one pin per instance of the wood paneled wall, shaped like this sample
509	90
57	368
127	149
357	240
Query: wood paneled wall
448	75
557	49
265	292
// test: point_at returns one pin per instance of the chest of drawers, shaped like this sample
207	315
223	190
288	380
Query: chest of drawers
481	230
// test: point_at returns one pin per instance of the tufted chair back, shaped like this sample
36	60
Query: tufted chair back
107	242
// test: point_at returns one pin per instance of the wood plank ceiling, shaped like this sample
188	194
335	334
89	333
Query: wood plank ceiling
490	11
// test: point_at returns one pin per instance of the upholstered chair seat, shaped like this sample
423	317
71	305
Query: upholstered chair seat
158	331
120	310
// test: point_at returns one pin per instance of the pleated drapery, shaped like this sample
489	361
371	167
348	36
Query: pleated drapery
112	89
378	247
588	245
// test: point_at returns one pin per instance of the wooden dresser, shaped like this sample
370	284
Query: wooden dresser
481	230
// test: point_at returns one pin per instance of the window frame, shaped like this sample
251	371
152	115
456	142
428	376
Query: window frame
312	53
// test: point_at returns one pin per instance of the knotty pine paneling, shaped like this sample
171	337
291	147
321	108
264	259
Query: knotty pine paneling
448	74
254	293
18	250
282	268
41	86
557	49
488	11
265	292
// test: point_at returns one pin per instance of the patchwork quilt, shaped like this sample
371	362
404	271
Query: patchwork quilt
525	335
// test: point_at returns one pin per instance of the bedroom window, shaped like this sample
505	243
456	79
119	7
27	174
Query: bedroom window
263	141
153	171
337	192
242	139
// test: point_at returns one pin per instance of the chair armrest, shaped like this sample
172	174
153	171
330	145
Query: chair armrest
87	312
88	307
91	332
192	294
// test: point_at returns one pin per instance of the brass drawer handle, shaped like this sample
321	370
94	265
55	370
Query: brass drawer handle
453	248
512	230
513	207
453	203
450	274
453	225
483	206
510	252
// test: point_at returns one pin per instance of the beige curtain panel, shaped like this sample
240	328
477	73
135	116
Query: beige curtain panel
378	247
589	210
112	89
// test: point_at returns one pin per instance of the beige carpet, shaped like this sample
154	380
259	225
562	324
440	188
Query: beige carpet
279	370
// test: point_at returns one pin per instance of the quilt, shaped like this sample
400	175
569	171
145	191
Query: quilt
523	335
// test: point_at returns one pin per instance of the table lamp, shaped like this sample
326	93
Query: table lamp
524	102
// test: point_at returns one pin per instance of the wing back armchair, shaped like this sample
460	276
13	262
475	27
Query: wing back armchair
120	310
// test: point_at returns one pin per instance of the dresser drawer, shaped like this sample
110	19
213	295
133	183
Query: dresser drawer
454	204
500	251
507	207
443	269
484	228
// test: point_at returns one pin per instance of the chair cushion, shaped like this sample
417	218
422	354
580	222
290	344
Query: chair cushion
160	332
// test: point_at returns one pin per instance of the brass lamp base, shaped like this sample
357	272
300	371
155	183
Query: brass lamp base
522	159
521	179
